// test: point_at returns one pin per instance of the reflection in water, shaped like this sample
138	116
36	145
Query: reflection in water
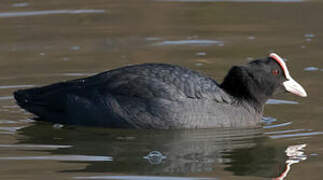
48	12
231	0
260	160
295	155
144	178
166	153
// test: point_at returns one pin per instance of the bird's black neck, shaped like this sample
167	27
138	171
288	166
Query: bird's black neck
238	84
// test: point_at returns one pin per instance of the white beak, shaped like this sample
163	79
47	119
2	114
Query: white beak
293	87
290	85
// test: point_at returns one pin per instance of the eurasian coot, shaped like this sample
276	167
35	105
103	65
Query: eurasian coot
162	96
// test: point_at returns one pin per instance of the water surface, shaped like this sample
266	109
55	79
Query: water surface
48	41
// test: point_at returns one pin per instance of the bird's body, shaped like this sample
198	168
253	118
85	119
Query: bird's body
158	96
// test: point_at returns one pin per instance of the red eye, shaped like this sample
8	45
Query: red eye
275	72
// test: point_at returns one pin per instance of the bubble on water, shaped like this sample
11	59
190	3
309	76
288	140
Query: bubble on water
42	54
155	157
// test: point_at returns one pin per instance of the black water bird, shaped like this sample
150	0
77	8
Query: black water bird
162	96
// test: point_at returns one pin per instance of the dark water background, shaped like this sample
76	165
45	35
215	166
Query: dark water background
42	42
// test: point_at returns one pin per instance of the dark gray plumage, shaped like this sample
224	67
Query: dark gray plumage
156	96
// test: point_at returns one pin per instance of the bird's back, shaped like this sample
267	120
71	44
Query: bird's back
141	96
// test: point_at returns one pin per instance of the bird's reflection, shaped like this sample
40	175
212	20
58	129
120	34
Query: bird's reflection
183	152
295	155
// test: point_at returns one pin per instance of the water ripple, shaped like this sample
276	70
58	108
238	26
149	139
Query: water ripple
61	158
34	146
20	4
191	42
16	86
296	135
78	74
287	131
48	12
277	125
280	101
311	68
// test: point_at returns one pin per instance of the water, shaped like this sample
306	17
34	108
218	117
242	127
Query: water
48	41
